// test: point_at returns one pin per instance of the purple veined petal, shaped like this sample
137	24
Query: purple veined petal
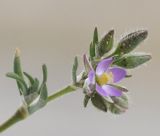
103	66
87	65
118	74
111	91
91	77
101	91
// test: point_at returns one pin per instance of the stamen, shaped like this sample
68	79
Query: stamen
104	78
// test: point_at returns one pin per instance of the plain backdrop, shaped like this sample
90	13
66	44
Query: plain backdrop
53	32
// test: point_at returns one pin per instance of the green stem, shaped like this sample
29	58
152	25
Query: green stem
22	112
62	92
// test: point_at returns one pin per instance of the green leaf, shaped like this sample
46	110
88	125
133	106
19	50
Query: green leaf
130	61
93	44
86	100
20	81
74	70
92	51
131	41
17	64
17	67
106	43
40	102
98	102
95	36
30	78
35	85
44	93
44	69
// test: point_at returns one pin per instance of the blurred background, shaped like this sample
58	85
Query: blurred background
53	32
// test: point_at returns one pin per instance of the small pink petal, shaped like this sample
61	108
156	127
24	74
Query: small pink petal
111	91
103	66
118	74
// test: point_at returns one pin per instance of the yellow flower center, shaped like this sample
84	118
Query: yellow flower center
104	78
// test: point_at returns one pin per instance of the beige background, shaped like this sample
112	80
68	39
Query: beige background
53	32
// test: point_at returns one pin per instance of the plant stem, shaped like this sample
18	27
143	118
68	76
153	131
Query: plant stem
62	92
22	112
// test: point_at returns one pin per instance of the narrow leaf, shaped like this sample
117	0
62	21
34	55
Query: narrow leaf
74	70
106	43
131	41
17	67
35	85
95	36
17	64
130	61
92	51
44	69
44	93
30	78
20	81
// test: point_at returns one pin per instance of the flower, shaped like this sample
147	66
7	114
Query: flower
102	78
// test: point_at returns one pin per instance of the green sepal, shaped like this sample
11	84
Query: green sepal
86	100
131	41
120	104
20	81
99	102
133	60
124	96
106	43
74	70
115	109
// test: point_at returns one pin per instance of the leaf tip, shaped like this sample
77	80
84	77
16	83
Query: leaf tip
17	54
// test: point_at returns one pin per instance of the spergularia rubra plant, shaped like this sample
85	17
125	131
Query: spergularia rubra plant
105	67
